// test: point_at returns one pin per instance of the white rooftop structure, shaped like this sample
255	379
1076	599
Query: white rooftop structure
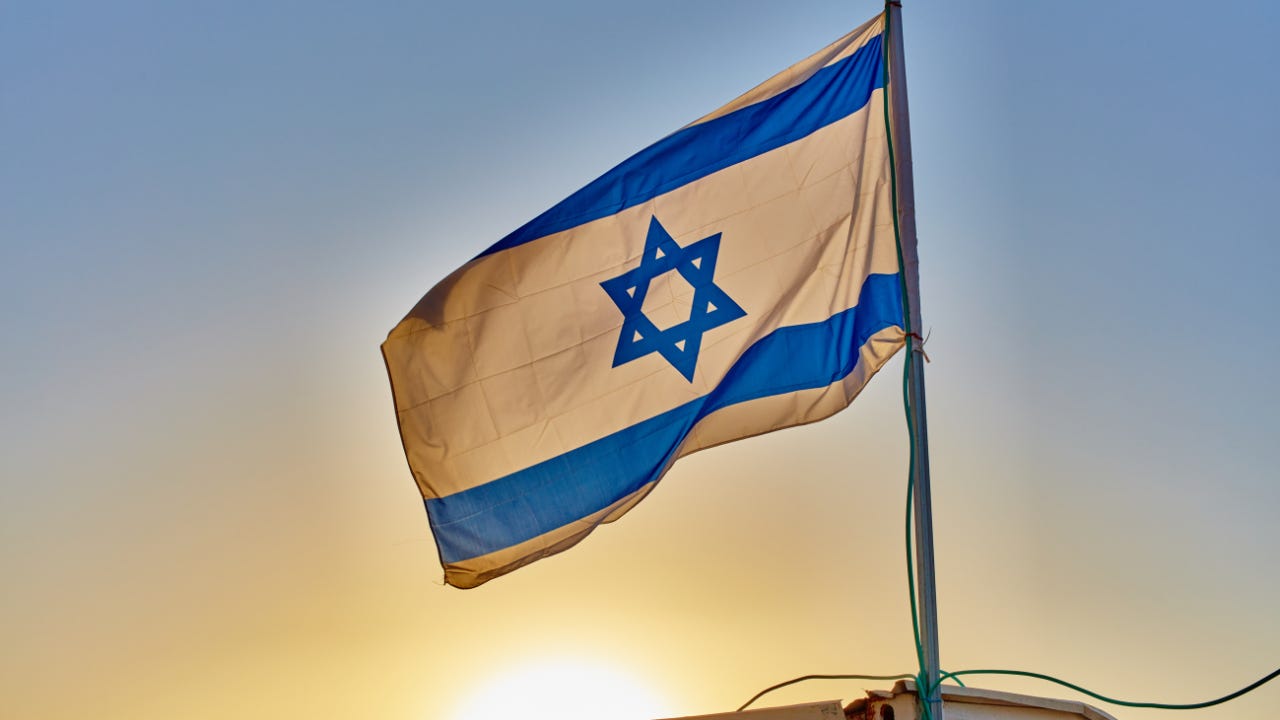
959	703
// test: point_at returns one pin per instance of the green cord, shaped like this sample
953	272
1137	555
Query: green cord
1126	703
921	677
1038	676
1024	673
803	678
1121	702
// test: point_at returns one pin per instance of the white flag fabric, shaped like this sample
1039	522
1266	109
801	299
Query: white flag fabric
739	276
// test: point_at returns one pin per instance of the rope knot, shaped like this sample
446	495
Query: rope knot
920	341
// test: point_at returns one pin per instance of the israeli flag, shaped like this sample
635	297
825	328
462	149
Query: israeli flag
739	276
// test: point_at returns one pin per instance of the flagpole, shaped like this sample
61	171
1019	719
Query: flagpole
926	588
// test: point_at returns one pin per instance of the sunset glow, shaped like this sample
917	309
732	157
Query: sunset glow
563	689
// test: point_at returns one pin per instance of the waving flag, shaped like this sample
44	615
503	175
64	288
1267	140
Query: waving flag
739	276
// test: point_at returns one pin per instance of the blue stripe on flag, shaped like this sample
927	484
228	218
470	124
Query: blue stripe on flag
834	92
553	493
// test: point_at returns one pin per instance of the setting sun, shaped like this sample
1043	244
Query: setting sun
563	689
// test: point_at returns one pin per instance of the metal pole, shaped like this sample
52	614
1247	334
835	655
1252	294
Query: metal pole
926	587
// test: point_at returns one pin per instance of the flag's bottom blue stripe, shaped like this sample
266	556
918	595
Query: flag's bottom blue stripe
530	502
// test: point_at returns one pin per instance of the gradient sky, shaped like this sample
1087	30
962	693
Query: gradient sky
211	215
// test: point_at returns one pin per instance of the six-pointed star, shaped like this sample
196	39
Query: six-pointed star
712	307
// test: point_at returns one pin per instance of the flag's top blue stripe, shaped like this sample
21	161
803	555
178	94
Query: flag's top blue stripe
583	481
832	93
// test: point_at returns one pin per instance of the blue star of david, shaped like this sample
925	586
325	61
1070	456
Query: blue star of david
712	307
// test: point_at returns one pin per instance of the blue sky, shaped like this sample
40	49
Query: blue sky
211	215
